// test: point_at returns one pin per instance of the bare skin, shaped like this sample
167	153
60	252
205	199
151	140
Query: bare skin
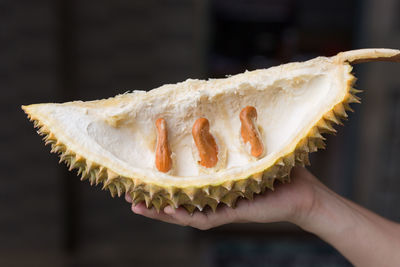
363	237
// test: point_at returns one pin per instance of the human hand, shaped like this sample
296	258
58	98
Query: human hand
363	237
289	202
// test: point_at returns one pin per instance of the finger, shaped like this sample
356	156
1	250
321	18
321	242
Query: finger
203	220
128	198
141	209
197	220
244	209
223	215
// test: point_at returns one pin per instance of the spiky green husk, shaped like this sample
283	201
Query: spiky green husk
192	198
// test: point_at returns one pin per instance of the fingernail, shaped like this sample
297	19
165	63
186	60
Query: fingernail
135	209
169	210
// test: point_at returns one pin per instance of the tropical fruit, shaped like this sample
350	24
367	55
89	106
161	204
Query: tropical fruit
199	143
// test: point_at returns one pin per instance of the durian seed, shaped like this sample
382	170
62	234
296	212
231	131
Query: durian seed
249	131
205	143
163	153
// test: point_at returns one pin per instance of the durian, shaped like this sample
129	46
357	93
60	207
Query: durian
202	151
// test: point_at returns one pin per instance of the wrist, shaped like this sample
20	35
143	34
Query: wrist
315	206
307	206
305	211
328	215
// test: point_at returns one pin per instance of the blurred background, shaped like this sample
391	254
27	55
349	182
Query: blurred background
63	50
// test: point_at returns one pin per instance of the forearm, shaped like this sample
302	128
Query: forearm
363	237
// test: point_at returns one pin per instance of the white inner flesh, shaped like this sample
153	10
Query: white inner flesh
282	110
121	132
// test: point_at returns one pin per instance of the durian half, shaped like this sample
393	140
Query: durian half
112	141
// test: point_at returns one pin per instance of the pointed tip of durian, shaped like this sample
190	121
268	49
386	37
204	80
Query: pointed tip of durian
324	126
190	208
206	190
355	91
148	201
27	110
190	192
154	190
227	185
352	98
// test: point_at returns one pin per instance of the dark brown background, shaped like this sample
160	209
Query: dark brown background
61	50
